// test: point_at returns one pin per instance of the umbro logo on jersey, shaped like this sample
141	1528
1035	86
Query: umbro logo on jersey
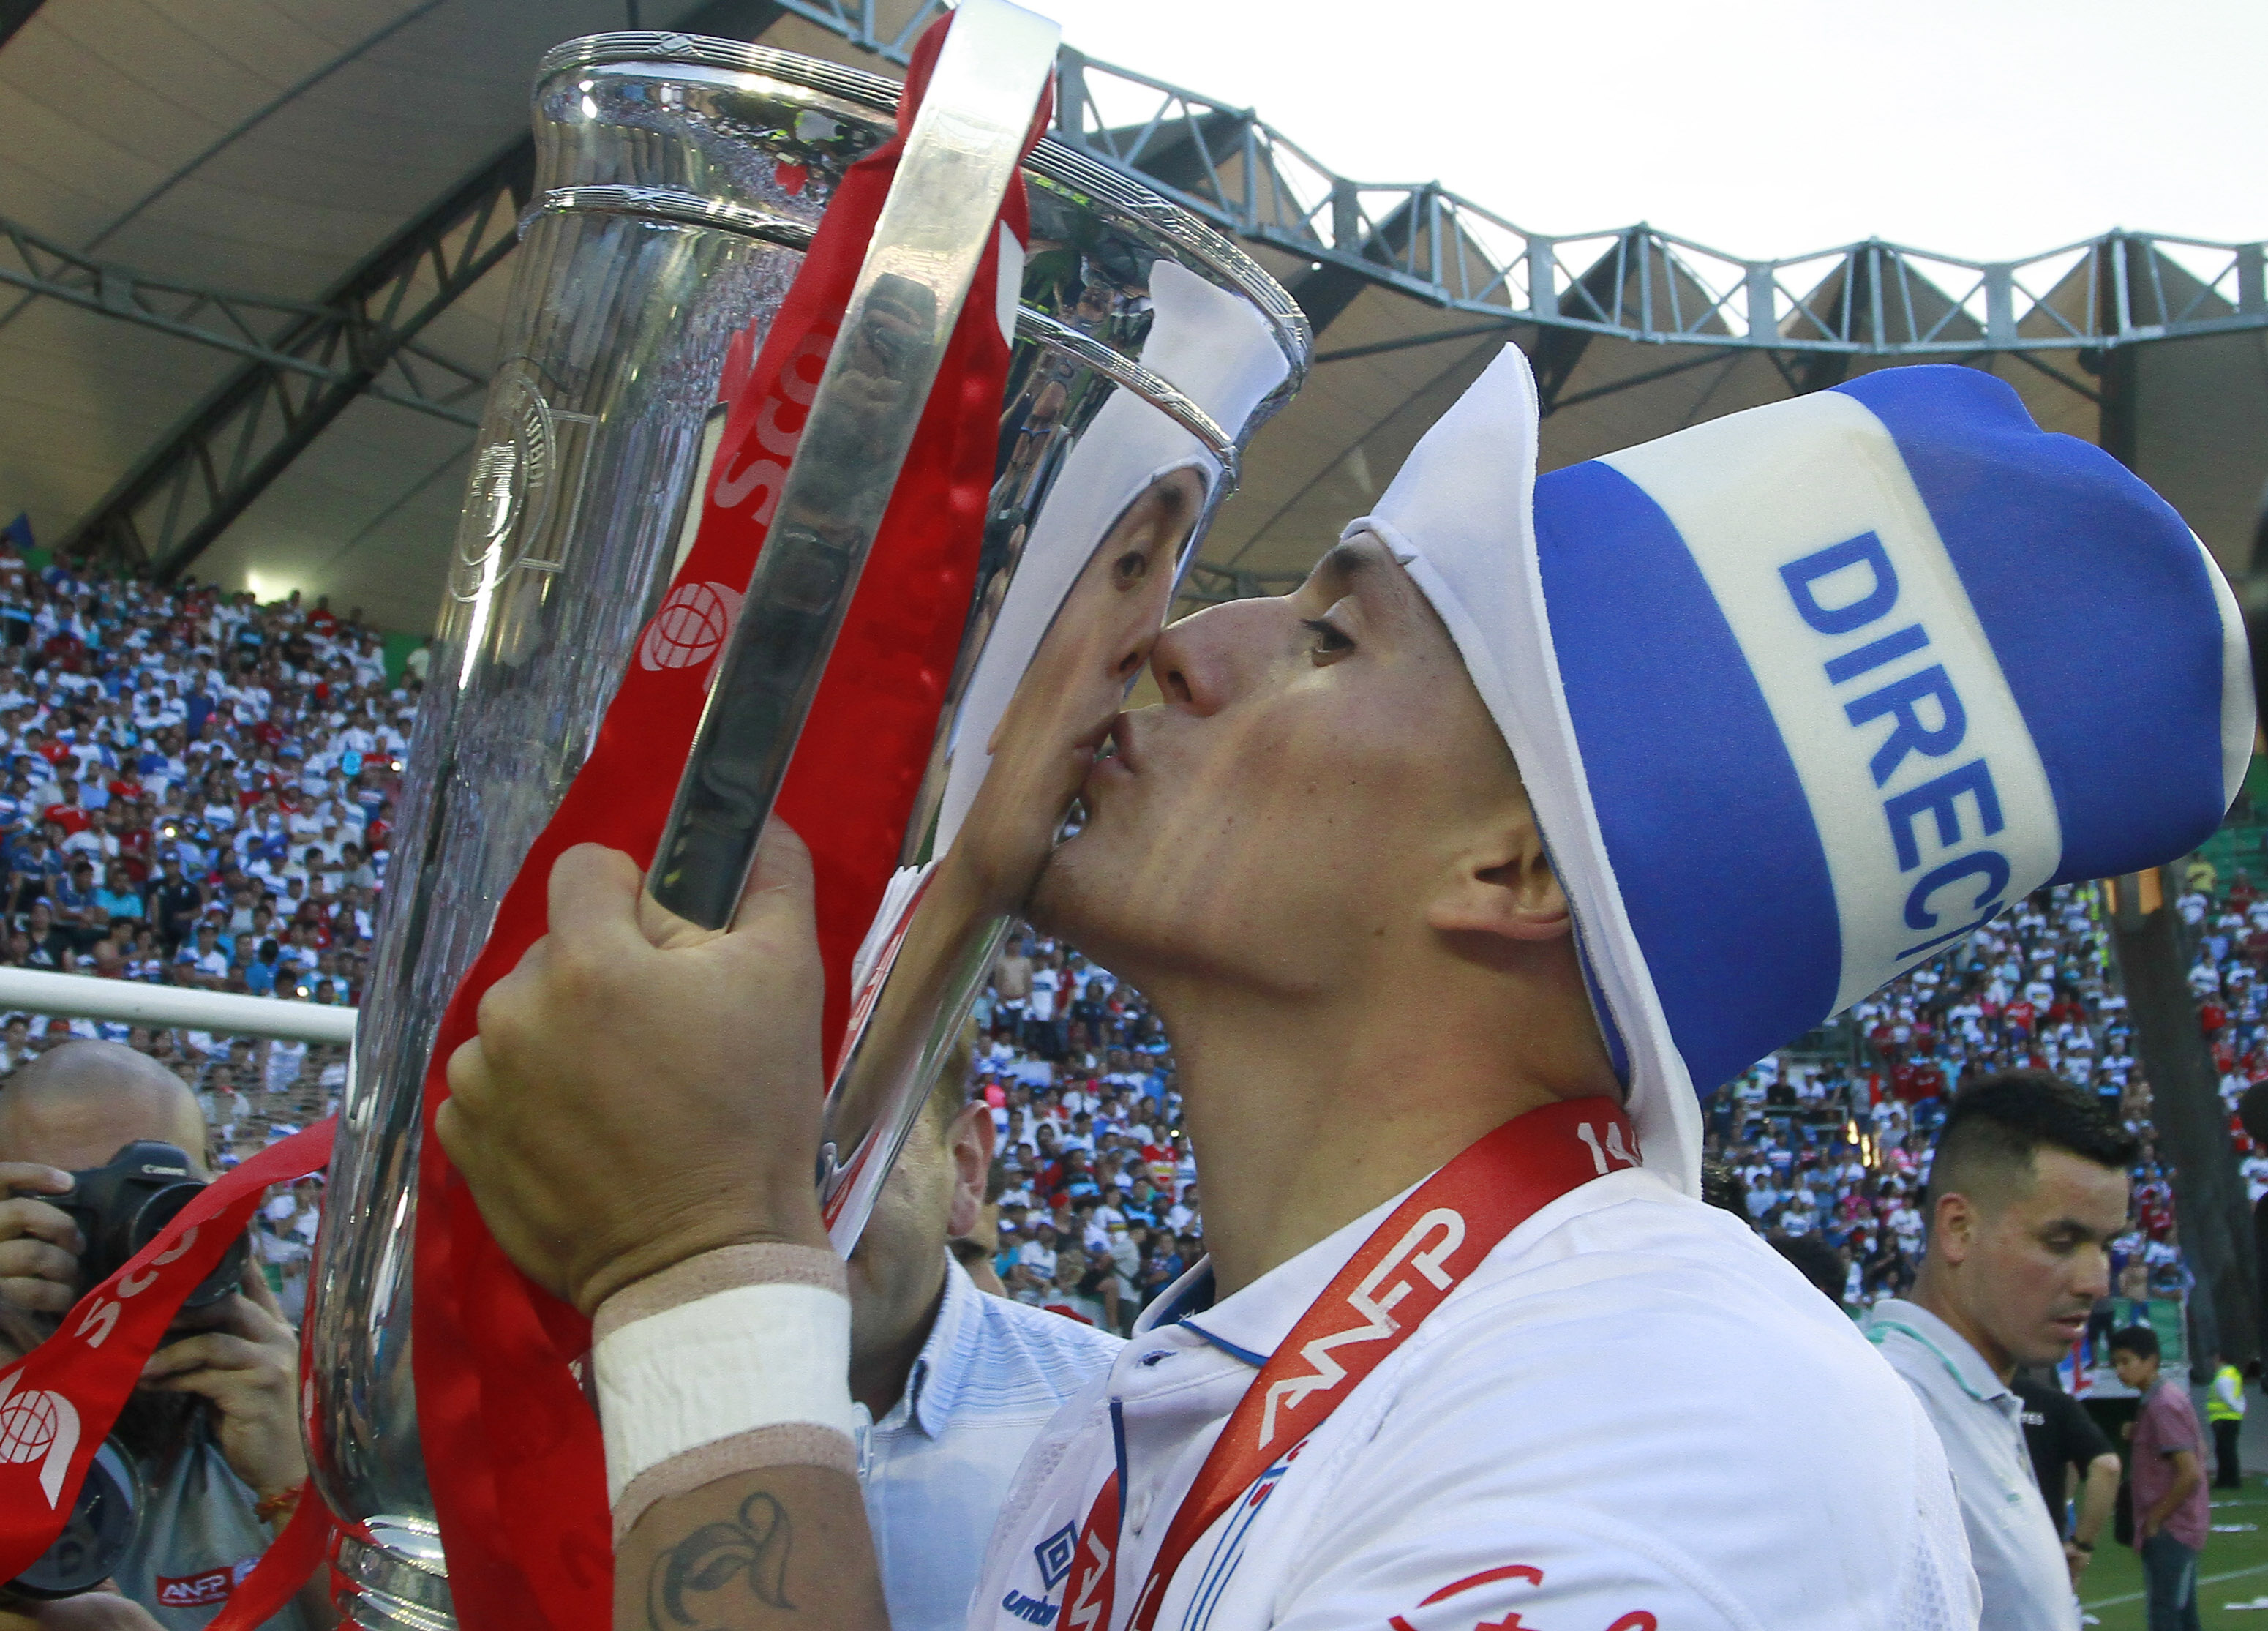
1054	1555
1031	1610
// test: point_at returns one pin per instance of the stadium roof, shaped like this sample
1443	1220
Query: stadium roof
259	252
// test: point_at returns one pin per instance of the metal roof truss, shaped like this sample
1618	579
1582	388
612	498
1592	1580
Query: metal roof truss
304	362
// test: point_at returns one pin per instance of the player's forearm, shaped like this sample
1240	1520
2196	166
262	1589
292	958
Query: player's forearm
764	1551
2097	1497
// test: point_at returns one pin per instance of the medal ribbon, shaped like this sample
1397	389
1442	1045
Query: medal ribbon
1402	1271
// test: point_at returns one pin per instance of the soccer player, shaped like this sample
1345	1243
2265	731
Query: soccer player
1453	873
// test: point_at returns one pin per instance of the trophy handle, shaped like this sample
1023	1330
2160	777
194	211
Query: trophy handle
962	152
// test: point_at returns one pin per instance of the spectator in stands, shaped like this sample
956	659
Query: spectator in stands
118	897
174	901
2027	1185
2171	1513
126	716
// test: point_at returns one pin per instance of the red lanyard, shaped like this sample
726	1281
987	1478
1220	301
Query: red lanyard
1404	1270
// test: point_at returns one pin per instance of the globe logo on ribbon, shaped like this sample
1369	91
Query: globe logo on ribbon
36	1425
691	626
27	1426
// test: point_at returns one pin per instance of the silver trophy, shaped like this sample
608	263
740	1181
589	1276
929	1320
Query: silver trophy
678	178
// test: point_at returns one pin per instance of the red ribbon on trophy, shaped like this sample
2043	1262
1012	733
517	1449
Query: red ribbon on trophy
305	1541
59	1404
511	1445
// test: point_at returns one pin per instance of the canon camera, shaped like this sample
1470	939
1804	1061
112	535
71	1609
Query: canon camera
121	1207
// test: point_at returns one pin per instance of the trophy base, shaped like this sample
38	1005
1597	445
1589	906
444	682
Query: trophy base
394	1580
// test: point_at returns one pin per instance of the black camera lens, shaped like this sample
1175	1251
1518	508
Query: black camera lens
150	1221
121	1207
95	1537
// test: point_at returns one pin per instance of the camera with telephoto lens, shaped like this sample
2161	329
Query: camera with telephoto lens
121	1207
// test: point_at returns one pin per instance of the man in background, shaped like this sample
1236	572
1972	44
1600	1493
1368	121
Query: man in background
2171	1513
956	1383
2026	1187
1012	983
2064	1442
2224	1407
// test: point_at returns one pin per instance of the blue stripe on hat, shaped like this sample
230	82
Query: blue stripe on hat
2080	574
1715	856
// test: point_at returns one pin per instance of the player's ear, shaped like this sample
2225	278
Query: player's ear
1953	1224
969	1141
1499	884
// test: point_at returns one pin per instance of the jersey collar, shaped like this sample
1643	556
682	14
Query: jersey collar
1253	1322
1962	1361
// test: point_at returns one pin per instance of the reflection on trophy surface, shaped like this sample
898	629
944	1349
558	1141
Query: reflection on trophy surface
1090	587
1046	742
873	380
1039	753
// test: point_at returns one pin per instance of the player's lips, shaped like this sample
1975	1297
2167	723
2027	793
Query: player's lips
1118	748
1096	739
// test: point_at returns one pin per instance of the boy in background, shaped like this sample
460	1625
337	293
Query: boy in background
2171	1515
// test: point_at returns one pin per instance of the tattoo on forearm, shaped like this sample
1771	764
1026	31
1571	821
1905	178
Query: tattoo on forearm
695	1584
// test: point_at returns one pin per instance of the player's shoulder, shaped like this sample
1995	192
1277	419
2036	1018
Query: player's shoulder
1632	1223
2169	1405
1646	1375
1653	1296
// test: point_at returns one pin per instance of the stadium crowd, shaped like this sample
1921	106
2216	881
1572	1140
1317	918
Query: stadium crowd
1829	1141
2228	924
198	790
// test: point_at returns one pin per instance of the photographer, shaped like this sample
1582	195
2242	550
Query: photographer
213	1430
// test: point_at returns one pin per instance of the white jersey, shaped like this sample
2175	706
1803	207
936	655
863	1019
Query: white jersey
991	1375
1632	1416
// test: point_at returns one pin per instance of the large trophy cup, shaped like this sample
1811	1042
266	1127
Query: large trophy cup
680	178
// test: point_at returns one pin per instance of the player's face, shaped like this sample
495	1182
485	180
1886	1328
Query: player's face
2044	1256
1315	764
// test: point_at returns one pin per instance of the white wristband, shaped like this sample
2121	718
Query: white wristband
701	1373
